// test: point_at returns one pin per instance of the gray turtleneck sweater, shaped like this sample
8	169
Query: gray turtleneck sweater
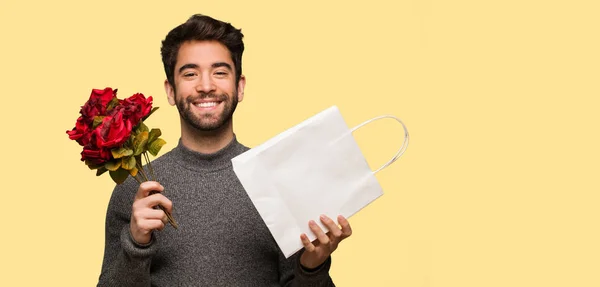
221	240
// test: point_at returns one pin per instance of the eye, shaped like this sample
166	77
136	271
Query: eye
221	73
189	74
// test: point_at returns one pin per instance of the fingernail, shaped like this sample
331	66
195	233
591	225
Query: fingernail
312	222
323	217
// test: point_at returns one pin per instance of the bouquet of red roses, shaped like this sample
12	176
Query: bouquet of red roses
115	138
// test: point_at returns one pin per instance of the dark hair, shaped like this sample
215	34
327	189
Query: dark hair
202	28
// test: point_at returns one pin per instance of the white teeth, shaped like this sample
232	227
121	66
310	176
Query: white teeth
207	104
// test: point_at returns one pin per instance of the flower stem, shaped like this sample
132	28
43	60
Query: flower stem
141	170
149	166
137	179
145	176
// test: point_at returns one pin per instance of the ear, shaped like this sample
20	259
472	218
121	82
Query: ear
170	93
240	88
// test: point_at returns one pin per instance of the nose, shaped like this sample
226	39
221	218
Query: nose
205	85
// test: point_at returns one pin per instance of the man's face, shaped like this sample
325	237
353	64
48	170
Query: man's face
205	91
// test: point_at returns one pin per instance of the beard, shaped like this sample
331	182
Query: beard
206	122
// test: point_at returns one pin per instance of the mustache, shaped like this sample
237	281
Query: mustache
202	96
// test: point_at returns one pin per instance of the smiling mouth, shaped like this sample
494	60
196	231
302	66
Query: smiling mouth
207	104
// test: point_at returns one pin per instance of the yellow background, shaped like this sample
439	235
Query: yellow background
498	187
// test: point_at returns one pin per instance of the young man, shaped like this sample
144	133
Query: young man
221	239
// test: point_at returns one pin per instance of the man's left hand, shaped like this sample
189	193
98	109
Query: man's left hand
316	252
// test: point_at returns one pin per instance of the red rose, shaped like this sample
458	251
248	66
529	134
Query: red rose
113	131
96	156
96	105
135	107
81	132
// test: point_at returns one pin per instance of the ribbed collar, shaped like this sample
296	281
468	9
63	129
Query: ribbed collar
208	161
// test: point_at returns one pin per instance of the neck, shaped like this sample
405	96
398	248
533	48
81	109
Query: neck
206	142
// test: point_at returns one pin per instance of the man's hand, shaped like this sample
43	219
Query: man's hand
144	218
317	252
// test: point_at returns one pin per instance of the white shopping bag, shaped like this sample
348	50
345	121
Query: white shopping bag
314	168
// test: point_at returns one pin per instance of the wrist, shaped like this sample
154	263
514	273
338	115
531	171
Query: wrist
310	265
308	270
134	249
311	270
140	239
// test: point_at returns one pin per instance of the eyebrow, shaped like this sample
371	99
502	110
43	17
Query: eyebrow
221	64
188	66
214	65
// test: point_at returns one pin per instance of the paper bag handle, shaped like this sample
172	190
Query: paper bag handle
404	144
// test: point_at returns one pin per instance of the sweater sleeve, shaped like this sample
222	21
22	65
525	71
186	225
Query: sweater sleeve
125	262
293	274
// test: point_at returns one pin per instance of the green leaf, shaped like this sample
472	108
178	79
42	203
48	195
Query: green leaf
128	162
155	146
129	142
121	152
151	111
141	128
101	170
139	144
154	134
119	175
133	171
113	103
112	165
97	121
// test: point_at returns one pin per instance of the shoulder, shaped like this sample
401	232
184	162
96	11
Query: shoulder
166	158
241	148
122	196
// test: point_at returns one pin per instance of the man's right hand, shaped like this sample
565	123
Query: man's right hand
144	218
